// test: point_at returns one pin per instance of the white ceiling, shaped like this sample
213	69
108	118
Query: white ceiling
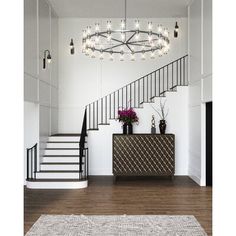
115	8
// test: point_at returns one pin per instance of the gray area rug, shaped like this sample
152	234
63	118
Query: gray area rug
125	225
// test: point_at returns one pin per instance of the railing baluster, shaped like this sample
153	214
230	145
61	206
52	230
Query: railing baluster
155	83
177	71
159	77
89	116
184	70
97	114
110	106
31	157
143	89
93	115
118	98
114	107
101	110
106	109
167	68
130	96
35	160
163	78
180	71
139	93
172	76
134	93
27	165
151	87
126	96
122	98
147	89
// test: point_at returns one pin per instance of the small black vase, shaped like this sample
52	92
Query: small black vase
125	128
162	126
130	128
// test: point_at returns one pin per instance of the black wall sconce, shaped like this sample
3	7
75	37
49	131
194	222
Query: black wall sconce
47	56
72	48
176	30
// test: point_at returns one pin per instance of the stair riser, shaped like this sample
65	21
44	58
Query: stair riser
64	138
60	159
62	145
61	152
57	175
59	167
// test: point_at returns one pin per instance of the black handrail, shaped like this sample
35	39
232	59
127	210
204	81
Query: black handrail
82	150
138	92
32	162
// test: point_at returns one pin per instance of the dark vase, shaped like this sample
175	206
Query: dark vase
162	126
125	128
130	128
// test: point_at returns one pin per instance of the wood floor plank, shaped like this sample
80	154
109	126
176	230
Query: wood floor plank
131	196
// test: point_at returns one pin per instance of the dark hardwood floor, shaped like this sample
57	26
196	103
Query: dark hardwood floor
141	196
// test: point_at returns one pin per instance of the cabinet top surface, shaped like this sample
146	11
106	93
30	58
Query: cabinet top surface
144	134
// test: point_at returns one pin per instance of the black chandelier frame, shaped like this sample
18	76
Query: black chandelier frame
128	43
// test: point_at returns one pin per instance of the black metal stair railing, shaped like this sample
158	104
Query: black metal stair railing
31	162
138	92
83	151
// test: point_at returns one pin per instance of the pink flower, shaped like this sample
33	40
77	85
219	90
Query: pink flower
127	116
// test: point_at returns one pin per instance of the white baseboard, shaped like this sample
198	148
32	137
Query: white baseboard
196	179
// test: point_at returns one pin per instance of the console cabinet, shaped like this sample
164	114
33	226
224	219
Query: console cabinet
143	155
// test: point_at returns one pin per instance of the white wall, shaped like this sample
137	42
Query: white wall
100	142
41	86
83	80
200	76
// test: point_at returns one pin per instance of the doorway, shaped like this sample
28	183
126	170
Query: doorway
209	144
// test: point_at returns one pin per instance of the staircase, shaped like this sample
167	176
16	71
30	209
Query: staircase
59	168
137	93
65	161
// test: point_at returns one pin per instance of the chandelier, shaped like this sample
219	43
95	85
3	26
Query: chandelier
124	43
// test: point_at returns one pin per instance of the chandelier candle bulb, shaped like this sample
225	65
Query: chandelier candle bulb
97	38
122	57
97	27
88	30
166	33
160	53
108	25
149	26
137	24
101	55
93	54
132	57
84	34
122	24
150	37
122	36
111	56
109	37
143	56
159	29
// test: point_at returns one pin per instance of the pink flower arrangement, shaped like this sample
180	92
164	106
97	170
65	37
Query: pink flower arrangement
127	116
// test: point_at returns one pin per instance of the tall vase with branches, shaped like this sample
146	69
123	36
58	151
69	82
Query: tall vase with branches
162	113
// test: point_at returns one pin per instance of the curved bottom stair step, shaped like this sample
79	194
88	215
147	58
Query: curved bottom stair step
57	184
